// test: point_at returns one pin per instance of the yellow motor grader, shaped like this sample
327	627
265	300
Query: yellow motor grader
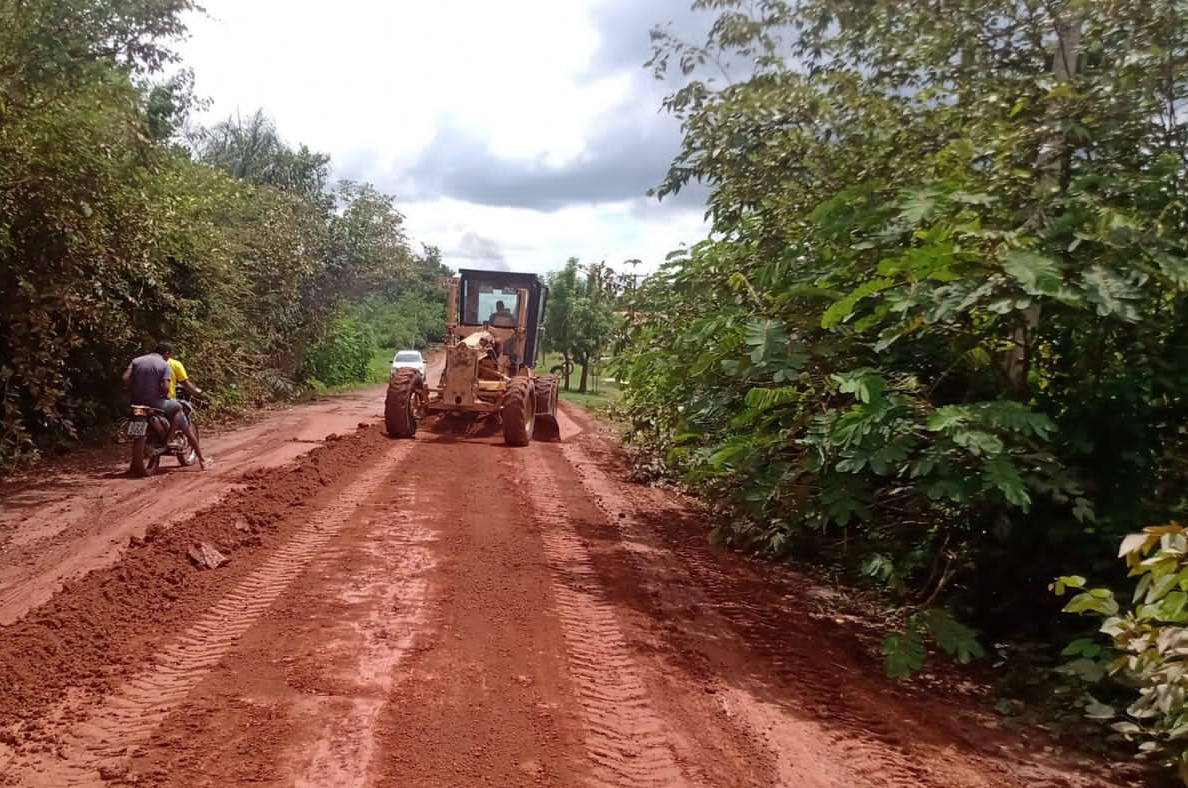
494	327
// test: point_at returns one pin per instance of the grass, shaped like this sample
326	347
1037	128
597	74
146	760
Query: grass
603	391
380	365
590	401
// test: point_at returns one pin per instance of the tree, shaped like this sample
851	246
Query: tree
939	334
168	105
593	321
252	149
564	290
79	214
113	234
580	319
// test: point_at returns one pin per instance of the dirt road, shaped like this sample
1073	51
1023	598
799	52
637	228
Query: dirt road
445	611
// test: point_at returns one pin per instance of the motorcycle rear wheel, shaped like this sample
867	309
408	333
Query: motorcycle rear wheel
144	462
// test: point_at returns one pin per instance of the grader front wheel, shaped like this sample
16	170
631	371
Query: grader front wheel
518	412
404	404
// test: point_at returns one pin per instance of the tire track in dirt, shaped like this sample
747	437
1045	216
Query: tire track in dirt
827	729
855	762
393	587
625	739
129	715
872	758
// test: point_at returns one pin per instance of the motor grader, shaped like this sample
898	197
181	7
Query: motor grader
494	328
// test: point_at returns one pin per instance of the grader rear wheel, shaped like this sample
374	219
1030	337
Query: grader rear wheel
404	403
518	412
546	408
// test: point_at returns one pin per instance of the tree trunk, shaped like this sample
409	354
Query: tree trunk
585	374
1052	163
565	367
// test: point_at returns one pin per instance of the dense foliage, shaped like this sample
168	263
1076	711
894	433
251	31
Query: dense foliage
938	336
118	229
400	314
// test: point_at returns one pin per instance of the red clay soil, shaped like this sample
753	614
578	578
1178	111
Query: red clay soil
449	611
122	613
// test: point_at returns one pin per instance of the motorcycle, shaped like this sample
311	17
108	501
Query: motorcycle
148	429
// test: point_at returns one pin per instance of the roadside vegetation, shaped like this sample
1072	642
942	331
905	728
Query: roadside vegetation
365	333
122	224
938	342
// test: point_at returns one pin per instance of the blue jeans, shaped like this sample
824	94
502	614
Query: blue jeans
172	406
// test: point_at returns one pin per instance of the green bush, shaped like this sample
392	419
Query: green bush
1149	635
413	319
343	355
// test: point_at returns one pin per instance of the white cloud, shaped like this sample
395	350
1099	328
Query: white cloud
526	240
375	83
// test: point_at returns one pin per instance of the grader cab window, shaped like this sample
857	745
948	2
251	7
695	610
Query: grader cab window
489	302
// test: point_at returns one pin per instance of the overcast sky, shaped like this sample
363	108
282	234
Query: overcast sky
513	134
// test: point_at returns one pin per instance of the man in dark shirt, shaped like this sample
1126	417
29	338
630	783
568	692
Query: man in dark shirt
148	378
502	316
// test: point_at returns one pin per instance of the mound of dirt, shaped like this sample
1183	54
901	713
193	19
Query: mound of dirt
95	630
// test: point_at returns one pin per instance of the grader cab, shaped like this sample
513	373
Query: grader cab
494	328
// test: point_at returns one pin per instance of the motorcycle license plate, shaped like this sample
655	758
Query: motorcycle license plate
137	428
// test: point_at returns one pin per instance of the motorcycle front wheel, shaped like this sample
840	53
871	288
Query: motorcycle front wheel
187	456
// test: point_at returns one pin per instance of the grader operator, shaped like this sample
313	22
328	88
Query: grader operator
492	343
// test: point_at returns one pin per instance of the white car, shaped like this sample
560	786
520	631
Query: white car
410	359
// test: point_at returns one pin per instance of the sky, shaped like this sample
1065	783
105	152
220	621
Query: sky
513	134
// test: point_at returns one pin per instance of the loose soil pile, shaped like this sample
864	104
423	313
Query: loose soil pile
95	629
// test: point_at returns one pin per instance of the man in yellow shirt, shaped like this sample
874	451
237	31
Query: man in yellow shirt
179	376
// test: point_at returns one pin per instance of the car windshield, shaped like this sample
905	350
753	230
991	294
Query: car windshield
408	355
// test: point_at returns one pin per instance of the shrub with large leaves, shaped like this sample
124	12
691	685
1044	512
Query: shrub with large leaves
938	338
